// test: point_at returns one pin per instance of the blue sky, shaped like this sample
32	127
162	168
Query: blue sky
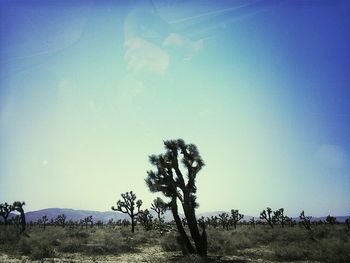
89	89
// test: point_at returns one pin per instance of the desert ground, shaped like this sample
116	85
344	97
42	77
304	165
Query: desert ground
324	243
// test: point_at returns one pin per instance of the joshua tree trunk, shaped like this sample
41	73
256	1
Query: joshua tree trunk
180	228
132	224
192	225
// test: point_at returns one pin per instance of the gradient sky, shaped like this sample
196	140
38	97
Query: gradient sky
89	89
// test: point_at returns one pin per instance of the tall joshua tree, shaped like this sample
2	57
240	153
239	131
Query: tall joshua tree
127	206
279	217
235	217
331	220
305	220
169	178
224	219
18	206
159	206
266	214
146	219
5	210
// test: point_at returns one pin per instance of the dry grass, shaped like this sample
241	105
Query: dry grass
324	244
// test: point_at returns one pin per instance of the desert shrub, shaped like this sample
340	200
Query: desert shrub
79	234
8	235
221	242
321	245
331	250
42	250
71	246
321	232
289	252
36	248
169	242
262	235
24	246
290	235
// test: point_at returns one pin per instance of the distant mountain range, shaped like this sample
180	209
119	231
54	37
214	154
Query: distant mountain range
76	215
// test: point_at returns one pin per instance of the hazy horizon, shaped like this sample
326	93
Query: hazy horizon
90	89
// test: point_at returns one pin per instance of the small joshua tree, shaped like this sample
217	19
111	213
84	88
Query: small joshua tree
347	222
60	220
266	215
146	219
170	179
279	217
127	206
5	210
252	222
86	221
305	220
18	206
159	206
331	220
224	220
235	217
213	221
44	220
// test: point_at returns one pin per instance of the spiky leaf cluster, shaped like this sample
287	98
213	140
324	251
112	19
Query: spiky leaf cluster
168	177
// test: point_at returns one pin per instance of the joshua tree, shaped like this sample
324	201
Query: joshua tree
224	220
60	220
252	222
170	179
266	215
42	222
213	221
5	210
331	220
159	206
146	219
111	222
18	206
127	206
235	217
347	222
86	221
279	217
99	223
305	220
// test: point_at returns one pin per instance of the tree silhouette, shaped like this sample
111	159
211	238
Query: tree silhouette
170	180
266	214
86	221
146	219
235	217
305	220
5	210
60	220
127	206
331	220
224	220
159	206
279	217
18	206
